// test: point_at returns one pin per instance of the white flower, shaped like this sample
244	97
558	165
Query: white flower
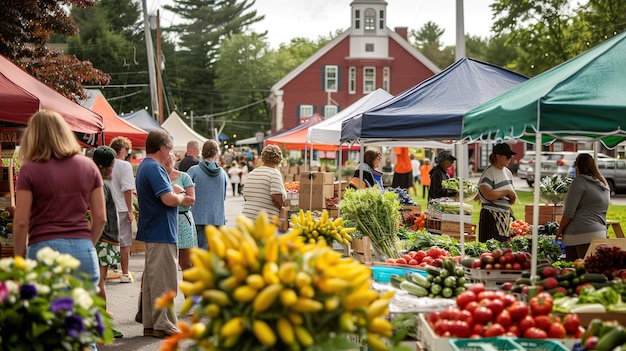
32	276
82	298
12	287
68	261
42	289
47	255
6	264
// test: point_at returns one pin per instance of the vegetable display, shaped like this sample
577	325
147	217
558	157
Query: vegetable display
469	189
448	281
606	260
376	215
552	189
451	207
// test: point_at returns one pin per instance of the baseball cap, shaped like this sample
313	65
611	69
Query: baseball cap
103	156
444	155
503	149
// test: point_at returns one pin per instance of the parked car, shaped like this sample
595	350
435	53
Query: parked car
526	165
613	170
557	162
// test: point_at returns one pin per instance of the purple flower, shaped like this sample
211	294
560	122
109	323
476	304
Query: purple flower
74	325
99	326
4	291
28	292
62	304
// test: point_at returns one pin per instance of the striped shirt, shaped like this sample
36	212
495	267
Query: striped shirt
496	179
261	184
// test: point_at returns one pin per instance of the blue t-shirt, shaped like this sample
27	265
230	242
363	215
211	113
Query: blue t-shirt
157	221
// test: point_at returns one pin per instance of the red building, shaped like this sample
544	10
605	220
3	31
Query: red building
365	57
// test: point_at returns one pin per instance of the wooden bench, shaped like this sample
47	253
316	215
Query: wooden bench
617	228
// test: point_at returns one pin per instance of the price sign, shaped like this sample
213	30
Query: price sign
8	142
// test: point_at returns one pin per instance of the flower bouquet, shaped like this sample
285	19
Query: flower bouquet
44	306
261	292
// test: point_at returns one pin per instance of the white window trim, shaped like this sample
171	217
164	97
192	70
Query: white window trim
365	80
330	110
306	111
352	80
387	79
327	79
369	22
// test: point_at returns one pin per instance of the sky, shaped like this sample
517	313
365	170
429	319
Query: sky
287	19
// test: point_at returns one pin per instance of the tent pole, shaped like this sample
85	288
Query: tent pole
460	173
535	237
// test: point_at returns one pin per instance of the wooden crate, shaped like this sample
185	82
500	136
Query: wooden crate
547	213
362	249
6	251
137	247
412	209
450	228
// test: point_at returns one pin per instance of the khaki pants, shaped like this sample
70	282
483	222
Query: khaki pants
160	276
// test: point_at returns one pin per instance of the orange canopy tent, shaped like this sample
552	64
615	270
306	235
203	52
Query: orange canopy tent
114	125
295	138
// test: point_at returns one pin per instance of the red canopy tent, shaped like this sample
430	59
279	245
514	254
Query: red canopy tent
21	95
114	125
295	138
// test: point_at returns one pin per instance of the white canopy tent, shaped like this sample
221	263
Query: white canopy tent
181	132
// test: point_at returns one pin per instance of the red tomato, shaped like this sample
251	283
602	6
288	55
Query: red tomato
390	260
407	257
508	299
525	323
518	310
557	330
543	322
482	314
400	260
413	262
466	316
571	322
428	260
433	317
496	306
514	330
495	329
451	313
504	318
459	329
478	329
412	254
541	304
419	255
464	298
477	288
535	333
440	327
471	306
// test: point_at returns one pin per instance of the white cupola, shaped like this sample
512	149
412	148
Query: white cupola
369	17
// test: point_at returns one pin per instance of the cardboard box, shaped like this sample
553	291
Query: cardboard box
316	178
313	197
609	242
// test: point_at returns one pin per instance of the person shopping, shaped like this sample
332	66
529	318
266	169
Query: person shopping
371	175
496	194
264	189
444	160
584	208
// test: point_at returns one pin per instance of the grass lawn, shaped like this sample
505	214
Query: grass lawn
615	212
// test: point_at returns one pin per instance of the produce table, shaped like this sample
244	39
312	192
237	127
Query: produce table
451	228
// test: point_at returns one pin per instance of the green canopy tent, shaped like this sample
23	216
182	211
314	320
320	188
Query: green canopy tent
581	99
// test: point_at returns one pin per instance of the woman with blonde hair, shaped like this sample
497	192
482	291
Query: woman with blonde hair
56	188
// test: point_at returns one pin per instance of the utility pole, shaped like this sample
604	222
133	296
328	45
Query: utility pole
460	31
150	54
158	65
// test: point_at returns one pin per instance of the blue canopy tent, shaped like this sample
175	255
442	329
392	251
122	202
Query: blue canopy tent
434	108
142	119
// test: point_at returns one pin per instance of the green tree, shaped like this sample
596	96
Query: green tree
205	24
539	29
427	40
26	27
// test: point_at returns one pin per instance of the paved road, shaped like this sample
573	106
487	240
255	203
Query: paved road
122	298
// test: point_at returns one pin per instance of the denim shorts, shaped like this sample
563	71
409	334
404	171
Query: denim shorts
81	249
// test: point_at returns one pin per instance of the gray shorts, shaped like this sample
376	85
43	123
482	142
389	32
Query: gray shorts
126	230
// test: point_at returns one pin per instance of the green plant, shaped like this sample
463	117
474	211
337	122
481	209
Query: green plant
44	306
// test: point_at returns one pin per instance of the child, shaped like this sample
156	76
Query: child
104	157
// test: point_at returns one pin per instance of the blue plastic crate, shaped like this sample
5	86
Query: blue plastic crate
541	344
486	344
382	274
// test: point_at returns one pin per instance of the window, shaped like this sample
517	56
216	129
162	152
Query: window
306	111
370	20
352	81
386	79
357	19
330	110
331	78
369	79
381	20
369	47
